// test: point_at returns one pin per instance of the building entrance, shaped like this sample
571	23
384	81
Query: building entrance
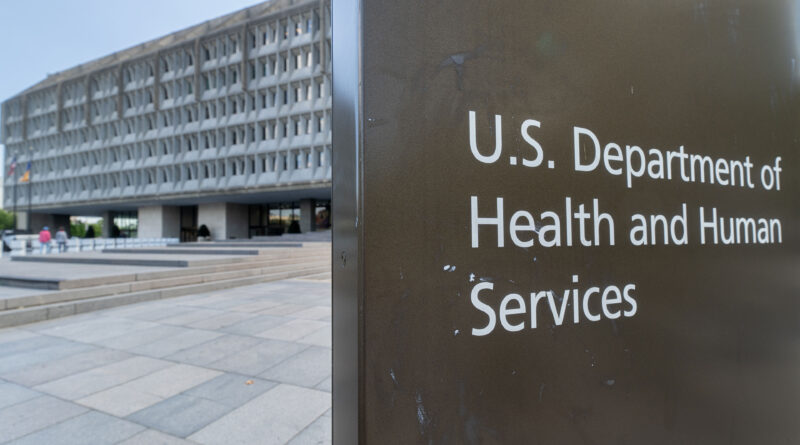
188	224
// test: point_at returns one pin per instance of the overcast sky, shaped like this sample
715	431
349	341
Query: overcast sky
40	37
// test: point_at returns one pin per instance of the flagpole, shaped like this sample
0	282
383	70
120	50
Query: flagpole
30	174
15	199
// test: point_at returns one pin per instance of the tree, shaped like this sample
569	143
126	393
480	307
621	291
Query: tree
77	229
6	220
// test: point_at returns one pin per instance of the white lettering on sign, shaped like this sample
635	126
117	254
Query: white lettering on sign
500	223
553	308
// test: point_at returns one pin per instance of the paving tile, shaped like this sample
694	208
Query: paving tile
160	313
313	313
58	349
320	337
254	306
80	385
258	359
284	309
273	418
307	368
230	389
226	302
24	345
255	325
172	380
9	335
190	316
325	385
180	415
148	390
97	329
56	369
293	330
180	341
120	400
214	350
11	394
221	320
126	341
320	432
18	420
153	437
91	428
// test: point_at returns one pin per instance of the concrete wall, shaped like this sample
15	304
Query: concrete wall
237	224
39	220
224	220
213	216
159	222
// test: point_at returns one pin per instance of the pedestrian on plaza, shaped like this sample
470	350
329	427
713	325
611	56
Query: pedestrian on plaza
44	240
61	239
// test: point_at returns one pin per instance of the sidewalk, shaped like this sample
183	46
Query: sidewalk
249	365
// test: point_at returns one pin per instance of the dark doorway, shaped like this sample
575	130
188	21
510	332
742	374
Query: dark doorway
188	224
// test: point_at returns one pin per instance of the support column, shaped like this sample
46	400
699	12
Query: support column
224	220
108	221
159	222
308	222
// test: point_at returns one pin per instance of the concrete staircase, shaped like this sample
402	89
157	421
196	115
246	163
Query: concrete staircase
191	273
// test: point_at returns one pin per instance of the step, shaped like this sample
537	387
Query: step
320	277
16	317
202	245
142	285
62	284
198	251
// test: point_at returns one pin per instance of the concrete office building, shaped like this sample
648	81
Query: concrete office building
224	124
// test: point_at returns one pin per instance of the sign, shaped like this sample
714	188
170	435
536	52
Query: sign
566	222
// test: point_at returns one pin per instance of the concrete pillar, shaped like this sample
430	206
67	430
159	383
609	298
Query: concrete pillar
237	223
159	222
308	222
224	220
108	221
22	221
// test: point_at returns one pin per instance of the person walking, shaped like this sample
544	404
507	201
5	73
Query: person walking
61	239
44	240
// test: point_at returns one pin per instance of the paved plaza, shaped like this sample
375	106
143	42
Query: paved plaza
250	365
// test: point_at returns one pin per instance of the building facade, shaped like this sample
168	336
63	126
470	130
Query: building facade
224	124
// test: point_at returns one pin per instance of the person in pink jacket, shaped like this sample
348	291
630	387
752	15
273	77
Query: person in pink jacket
44	239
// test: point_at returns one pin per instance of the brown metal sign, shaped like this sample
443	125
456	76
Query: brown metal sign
566	222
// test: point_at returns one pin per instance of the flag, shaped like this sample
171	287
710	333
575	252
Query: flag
27	175
13	166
